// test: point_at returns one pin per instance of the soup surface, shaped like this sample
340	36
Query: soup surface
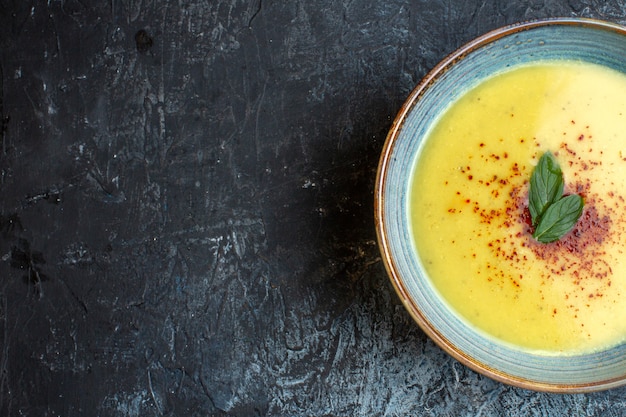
469	207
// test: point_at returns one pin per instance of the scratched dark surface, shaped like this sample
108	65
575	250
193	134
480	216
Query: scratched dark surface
186	211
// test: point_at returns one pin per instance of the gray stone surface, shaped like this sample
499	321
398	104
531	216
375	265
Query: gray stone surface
186	214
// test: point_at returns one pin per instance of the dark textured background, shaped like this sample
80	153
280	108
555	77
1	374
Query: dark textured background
186	216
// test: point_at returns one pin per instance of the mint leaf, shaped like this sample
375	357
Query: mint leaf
559	218
552	215
546	186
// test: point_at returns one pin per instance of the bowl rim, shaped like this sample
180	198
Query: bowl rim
379	210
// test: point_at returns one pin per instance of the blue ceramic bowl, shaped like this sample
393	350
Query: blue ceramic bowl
572	39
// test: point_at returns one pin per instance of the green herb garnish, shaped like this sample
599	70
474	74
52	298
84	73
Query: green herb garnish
551	213
546	186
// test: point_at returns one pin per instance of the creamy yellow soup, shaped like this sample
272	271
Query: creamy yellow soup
469	207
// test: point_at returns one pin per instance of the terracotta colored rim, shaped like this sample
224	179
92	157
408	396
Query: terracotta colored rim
379	197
